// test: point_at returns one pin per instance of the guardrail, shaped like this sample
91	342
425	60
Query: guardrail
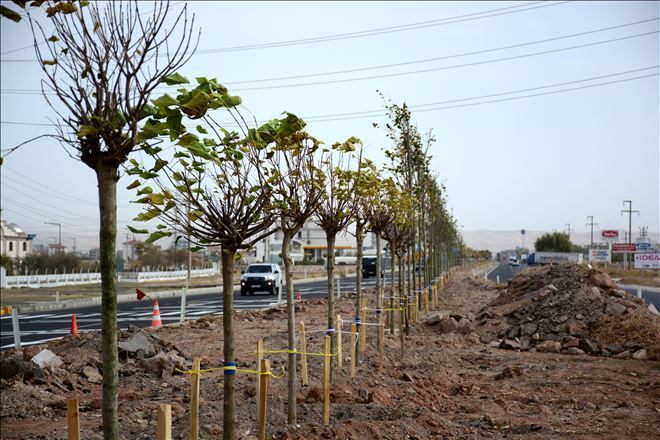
67	279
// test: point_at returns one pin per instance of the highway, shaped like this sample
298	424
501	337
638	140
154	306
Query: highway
40	327
649	294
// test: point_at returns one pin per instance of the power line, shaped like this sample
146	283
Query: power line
433	69
59	194
377	31
75	214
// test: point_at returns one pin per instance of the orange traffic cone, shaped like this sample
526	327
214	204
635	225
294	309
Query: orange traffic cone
155	321
74	325
299	297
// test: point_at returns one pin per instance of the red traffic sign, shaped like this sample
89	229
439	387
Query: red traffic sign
624	247
610	234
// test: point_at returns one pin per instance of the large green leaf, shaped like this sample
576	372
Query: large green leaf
137	231
63	7
87	130
10	14
134	185
157	235
147	215
165	101
174	79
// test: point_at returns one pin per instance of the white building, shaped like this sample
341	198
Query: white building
14	243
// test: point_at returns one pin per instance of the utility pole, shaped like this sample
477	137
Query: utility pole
74	244
629	211
592	224
59	229
568	231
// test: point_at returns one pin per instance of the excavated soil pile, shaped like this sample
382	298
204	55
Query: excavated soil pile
573	309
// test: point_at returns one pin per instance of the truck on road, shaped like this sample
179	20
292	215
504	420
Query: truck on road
554	257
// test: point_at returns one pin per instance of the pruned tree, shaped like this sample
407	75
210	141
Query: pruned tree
335	212
218	186
302	165
101	63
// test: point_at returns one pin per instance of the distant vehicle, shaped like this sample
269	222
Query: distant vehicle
513	261
263	277
345	260
369	266
523	258
554	257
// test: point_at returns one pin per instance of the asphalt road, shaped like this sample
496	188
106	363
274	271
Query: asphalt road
40	327
649	294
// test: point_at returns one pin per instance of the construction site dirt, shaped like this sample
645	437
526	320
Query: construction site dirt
458	378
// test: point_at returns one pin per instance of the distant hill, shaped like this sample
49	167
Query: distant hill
496	241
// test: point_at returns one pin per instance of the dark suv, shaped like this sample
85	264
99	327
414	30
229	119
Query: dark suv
369	267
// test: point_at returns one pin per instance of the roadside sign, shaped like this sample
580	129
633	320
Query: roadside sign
600	255
644	246
619	248
609	233
647	261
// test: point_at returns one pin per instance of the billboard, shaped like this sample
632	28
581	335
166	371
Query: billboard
610	233
600	256
618	248
647	261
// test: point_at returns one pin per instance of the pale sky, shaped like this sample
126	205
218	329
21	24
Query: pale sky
537	163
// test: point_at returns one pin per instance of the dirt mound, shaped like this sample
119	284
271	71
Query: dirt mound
567	303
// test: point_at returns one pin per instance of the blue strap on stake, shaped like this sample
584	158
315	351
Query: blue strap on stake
358	321
378	311
230	368
330	331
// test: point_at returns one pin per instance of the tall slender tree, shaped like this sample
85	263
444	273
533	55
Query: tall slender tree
100	63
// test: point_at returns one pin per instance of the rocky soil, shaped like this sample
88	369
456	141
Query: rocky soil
453	381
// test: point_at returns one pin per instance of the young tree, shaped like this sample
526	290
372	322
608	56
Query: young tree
335	213
555	242
303	167
218	187
102	62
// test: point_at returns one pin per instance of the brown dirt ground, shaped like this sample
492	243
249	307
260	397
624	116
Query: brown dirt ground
445	386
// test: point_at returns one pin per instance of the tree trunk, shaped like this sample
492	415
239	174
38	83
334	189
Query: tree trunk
330	238
379	287
358	278
229	407
107	177
291	325
392	290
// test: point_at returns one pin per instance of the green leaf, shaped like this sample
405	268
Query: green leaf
195	215
63	7
49	62
53	39
12	15
137	231
157	235
157	199
19	3
145	190
201	129
165	101
148	175
147	215
174	79
134	185
188	139
87	130
196	248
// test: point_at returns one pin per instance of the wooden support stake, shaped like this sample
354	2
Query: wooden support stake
363	327
387	314
303	355
353	349
326	383
381	345
340	359
401	318
426	301
194	399
260	355
72	419
164	428
264	380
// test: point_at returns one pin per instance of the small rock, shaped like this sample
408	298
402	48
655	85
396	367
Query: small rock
574	350
570	342
465	326
602	280
407	377
651	308
588	346
485	339
46	358
528	329
615	309
560	319
95	403
549	347
495	344
615	348
448	325
92	374
509	344
362	394
572	328
138	341
623	355
315	394
590	405
640	354
508	373
435	318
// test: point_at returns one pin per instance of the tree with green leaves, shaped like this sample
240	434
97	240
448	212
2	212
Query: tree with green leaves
554	242
335	211
303	165
218	186
101	62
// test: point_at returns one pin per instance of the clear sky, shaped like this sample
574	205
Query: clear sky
509	160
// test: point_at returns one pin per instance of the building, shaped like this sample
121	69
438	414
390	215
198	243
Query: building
14	243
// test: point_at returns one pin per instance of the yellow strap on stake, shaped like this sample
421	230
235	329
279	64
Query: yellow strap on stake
326	383
353	348
303	358
340	358
194	400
